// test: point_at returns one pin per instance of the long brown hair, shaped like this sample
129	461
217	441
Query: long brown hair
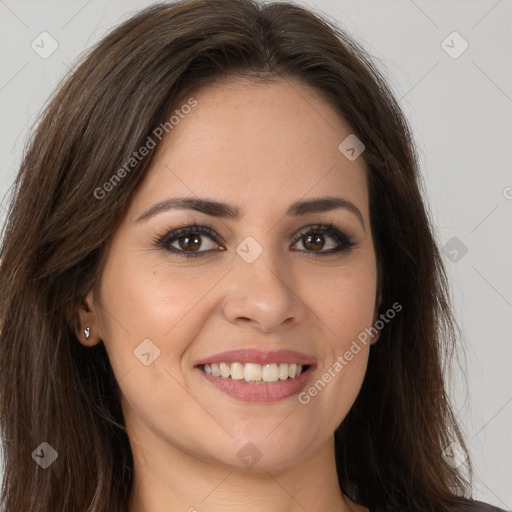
53	389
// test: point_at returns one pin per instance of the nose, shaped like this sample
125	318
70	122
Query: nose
263	294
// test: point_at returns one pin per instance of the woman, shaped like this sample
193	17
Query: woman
220	284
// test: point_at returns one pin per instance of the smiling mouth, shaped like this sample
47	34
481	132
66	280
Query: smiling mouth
253	372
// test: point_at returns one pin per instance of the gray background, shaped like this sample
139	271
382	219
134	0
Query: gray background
460	111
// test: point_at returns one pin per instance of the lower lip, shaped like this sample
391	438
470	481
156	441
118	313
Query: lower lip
260	392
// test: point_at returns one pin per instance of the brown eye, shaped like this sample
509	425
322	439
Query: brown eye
314	242
316	239
190	241
195	241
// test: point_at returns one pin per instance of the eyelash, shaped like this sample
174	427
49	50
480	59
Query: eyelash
345	242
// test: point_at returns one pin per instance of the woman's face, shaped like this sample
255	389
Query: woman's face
259	293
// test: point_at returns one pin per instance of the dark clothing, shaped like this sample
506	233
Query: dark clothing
484	507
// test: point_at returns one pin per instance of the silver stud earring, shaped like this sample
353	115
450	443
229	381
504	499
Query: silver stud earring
87	333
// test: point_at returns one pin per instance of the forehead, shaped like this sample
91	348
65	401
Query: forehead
254	143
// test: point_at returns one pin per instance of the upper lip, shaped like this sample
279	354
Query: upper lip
250	355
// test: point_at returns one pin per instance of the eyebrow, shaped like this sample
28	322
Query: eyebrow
224	210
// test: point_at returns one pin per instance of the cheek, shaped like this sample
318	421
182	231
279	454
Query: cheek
345	302
346	305
151	308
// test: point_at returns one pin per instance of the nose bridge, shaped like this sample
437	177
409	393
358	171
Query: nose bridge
259	286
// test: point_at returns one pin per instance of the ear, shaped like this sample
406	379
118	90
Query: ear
88	318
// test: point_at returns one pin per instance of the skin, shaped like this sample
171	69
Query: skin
260	147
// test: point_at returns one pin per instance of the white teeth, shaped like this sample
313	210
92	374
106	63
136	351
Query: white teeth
253	372
237	371
270	373
215	369
225	370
